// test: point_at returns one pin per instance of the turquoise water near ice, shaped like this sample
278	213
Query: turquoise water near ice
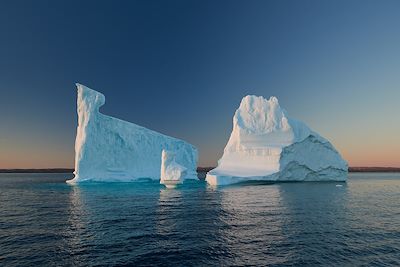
46	222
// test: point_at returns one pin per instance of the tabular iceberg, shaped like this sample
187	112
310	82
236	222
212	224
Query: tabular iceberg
172	173
267	145
109	149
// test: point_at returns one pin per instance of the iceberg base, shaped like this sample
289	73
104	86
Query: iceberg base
171	184
293	172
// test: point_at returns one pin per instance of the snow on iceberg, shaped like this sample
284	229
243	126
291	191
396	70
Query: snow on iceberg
172	173
265	144
109	149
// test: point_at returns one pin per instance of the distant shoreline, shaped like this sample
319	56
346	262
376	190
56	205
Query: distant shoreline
53	170
374	169
351	169
199	169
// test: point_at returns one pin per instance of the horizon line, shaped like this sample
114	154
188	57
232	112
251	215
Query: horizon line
199	169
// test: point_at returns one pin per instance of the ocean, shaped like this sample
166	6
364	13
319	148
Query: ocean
46	222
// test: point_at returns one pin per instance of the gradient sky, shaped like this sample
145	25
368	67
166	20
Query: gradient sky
182	67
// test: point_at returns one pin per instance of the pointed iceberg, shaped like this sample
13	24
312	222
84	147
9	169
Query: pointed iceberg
109	149
265	144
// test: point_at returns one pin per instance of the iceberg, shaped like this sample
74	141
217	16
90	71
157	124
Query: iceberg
265	144
172	173
110	149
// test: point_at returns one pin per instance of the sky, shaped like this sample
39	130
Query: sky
182	67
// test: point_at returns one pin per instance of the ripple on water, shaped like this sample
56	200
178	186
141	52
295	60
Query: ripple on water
44	221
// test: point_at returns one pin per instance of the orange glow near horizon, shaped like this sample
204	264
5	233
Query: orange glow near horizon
37	158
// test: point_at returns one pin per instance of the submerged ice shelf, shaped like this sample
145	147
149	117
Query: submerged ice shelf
110	149
265	144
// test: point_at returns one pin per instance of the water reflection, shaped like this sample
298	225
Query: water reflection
146	224
189	224
234	225
272	223
253	223
168	216
47	222
77	217
315	217
113	218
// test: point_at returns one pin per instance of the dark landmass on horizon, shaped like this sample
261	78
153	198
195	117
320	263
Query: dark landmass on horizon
199	169
374	169
351	169
52	170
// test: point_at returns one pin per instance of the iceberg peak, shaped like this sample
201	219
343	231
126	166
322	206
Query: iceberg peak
259	116
89	97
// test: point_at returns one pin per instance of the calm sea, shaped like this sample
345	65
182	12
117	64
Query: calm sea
44	221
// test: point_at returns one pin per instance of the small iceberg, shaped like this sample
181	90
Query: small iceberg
172	173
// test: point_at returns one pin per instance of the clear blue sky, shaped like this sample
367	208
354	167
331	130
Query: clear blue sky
182	67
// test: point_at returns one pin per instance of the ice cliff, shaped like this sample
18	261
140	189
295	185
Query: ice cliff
265	144
172	173
109	149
